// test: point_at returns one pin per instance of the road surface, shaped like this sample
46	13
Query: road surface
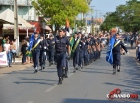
89	85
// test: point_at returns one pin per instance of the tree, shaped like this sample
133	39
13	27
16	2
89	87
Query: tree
59	10
110	21
126	16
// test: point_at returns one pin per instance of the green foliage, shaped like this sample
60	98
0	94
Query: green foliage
126	16
59	10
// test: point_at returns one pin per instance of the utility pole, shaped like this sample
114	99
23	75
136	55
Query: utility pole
92	19
16	32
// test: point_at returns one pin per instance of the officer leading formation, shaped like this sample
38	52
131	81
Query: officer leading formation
81	49
114	55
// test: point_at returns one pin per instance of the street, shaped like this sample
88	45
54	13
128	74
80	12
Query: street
88	85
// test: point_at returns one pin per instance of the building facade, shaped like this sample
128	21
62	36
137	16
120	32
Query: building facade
25	8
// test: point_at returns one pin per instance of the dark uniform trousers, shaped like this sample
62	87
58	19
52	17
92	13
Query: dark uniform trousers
84	53
116	59
42	58
36	54
76	56
81	60
51	55
61	62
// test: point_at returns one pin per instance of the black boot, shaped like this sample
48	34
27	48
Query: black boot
118	68
60	81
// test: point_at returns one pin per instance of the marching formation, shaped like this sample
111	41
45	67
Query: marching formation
81	49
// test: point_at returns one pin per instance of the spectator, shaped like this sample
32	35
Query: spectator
23	51
138	49
7	49
28	56
4	41
13	51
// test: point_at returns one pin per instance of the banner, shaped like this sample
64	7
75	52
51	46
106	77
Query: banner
109	55
30	45
3	58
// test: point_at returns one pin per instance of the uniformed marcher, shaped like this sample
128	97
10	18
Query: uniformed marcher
43	48
76	52
61	45
51	49
116	54
84	51
36	51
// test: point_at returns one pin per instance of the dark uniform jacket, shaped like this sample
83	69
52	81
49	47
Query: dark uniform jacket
60	44
51	43
43	45
117	48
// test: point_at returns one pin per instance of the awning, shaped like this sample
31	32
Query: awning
37	26
4	22
8	15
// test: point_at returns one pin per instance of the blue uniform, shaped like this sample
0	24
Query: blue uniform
60	48
116	53
51	50
76	55
36	54
42	58
84	52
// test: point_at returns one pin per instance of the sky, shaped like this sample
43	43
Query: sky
103	6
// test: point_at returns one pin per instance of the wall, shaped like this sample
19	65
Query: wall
26	12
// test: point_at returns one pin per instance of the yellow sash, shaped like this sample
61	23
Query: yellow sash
117	43
75	46
36	44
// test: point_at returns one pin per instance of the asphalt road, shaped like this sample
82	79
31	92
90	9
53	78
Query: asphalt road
89	85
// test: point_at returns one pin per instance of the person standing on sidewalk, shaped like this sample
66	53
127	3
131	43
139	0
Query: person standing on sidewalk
23	51
13	51
7	49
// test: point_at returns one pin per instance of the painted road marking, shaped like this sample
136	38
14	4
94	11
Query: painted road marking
51	88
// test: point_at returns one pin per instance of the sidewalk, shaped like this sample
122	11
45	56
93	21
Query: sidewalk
15	67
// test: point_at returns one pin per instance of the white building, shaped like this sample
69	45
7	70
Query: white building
25	8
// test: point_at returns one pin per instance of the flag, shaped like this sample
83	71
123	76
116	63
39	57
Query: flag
30	45
72	39
67	25
109	55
